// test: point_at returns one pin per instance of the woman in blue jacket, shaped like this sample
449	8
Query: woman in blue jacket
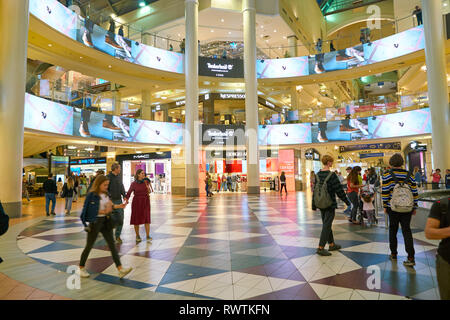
96	210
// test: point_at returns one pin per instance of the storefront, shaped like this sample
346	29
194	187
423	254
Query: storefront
156	165
415	153
87	166
312	163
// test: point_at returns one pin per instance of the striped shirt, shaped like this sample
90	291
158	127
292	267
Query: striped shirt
389	184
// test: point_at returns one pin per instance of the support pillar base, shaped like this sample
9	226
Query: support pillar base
253	190
13	209
193	192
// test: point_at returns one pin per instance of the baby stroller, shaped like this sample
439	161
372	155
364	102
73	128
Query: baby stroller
369	190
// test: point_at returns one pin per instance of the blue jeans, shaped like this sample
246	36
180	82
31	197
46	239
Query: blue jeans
68	206
223	186
50	197
119	221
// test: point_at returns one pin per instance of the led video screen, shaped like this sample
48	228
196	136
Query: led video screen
282	68
401	124
85	31
284	134
45	115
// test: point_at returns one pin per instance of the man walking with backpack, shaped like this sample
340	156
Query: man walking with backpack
399	194
326	188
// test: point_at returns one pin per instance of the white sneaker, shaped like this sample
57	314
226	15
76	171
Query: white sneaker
124	271
83	273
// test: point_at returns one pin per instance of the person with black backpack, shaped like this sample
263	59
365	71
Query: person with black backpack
326	188
399	194
438	228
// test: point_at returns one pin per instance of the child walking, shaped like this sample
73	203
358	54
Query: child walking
368	208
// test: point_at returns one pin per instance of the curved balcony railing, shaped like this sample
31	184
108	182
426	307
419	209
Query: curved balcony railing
85	31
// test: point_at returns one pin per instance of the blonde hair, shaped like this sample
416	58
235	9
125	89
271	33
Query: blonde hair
326	158
70	183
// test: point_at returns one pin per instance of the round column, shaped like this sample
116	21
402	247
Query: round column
13	57
251	96
146	108
292	44
437	82
191	139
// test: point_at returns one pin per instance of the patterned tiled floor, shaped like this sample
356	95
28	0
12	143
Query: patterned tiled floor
241	247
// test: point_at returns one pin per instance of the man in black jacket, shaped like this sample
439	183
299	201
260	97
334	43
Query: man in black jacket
50	190
334	187
116	191
438	228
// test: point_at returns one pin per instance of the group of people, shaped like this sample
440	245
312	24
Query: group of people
230	182
399	196
103	211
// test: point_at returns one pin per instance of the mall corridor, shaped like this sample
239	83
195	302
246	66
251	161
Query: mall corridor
231	247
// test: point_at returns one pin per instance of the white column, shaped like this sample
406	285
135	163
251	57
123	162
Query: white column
437	82
13	57
292	43
146	108
251	96
191	83
116	105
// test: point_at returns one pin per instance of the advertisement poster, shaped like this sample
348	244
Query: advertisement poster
401	124
220	135
295	133
282	68
286	164
344	130
45	115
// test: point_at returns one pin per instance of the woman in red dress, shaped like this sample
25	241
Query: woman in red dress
140	207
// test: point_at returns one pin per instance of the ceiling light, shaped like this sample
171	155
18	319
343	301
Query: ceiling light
212	30
142	4
90	149
274	30
49	44
299	87
221	20
71	147
138	151
109	66
423	68
164	98
112	15
262	26
229	32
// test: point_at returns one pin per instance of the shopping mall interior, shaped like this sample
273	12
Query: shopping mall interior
221	103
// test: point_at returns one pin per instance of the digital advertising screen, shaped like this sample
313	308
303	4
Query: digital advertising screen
87	32
343	130
223	68
230	135
45	115
395	46
282	68
336	60
281	134
89	124
146	131
401	124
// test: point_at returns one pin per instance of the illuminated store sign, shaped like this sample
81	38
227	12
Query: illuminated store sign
232	96
223	135
180	103
88	161
224	68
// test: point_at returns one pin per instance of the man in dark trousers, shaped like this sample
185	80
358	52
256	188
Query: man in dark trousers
438	228
418	13
116	191
50	190
4	223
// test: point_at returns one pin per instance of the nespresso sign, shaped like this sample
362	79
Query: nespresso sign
223	68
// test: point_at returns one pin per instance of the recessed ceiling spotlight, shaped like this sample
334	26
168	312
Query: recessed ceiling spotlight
212	30
142	4
284	37
222	20
423	68
262	26
164	98
49	44
229	32
274	30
